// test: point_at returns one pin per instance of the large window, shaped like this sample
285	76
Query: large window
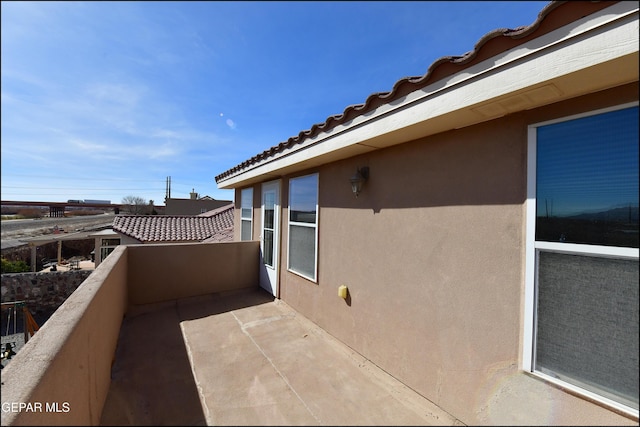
246	214
303	226
582	255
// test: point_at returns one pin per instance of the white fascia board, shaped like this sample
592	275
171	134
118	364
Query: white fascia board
598	38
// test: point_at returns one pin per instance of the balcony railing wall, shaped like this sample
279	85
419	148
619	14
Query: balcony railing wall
62	375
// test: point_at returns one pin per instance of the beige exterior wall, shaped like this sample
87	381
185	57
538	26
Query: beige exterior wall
68	361
206	267
433	254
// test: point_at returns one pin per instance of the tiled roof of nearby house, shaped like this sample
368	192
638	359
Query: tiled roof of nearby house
212	226
224	235
551	17
221	236
226	209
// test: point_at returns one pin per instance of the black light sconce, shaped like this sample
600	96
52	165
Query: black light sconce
358	179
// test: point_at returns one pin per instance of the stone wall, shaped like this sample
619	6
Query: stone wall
43	292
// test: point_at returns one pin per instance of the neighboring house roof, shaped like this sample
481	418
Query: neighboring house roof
190	199
217	211
221	236
553	16
215	226
225	235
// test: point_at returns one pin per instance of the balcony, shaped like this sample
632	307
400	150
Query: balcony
182	334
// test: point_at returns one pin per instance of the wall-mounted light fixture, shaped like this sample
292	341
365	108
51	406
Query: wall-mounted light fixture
358	179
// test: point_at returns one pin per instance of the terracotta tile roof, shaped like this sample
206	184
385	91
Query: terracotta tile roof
177	228
554	15
221	236
217	211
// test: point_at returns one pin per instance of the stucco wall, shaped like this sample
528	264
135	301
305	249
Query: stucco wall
68	362
433	254
191	269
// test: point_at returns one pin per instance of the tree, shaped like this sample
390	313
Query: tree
14	266
134	205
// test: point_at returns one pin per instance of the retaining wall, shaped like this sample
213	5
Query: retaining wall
43	292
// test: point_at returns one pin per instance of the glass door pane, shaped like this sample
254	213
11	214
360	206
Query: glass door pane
268	224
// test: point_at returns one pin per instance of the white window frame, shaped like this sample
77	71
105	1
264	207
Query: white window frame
533	247
106	249
314	279
250	219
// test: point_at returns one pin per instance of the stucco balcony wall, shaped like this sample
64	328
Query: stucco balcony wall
62	375
168	272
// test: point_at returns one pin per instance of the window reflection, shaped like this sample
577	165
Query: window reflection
587	185
303	198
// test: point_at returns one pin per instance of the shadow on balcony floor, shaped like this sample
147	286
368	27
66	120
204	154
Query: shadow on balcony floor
246	359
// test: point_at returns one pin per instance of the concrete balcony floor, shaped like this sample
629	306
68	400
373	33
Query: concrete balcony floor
243	358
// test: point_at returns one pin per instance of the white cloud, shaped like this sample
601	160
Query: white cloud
91	147
117	94
166	150
231	123
166	134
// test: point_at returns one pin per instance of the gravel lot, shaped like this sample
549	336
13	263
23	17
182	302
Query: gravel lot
15	229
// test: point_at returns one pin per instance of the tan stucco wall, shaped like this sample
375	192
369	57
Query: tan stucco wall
79	340
68	361
192	207
433	254
204	267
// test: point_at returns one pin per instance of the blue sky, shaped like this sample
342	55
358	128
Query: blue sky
102	100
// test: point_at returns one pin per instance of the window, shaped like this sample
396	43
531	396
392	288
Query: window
107	246
246	214
582	255
303	226
269	226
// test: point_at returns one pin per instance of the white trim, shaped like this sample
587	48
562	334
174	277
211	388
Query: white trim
271	273
595	250
303	224
530	258
533	247
250	219
591	395
314	279
586	114
606	35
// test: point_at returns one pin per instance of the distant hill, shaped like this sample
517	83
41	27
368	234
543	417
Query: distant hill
629	214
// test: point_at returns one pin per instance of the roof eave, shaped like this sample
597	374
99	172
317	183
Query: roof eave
544	70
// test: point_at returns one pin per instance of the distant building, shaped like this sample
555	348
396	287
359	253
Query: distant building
210	227
192	206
